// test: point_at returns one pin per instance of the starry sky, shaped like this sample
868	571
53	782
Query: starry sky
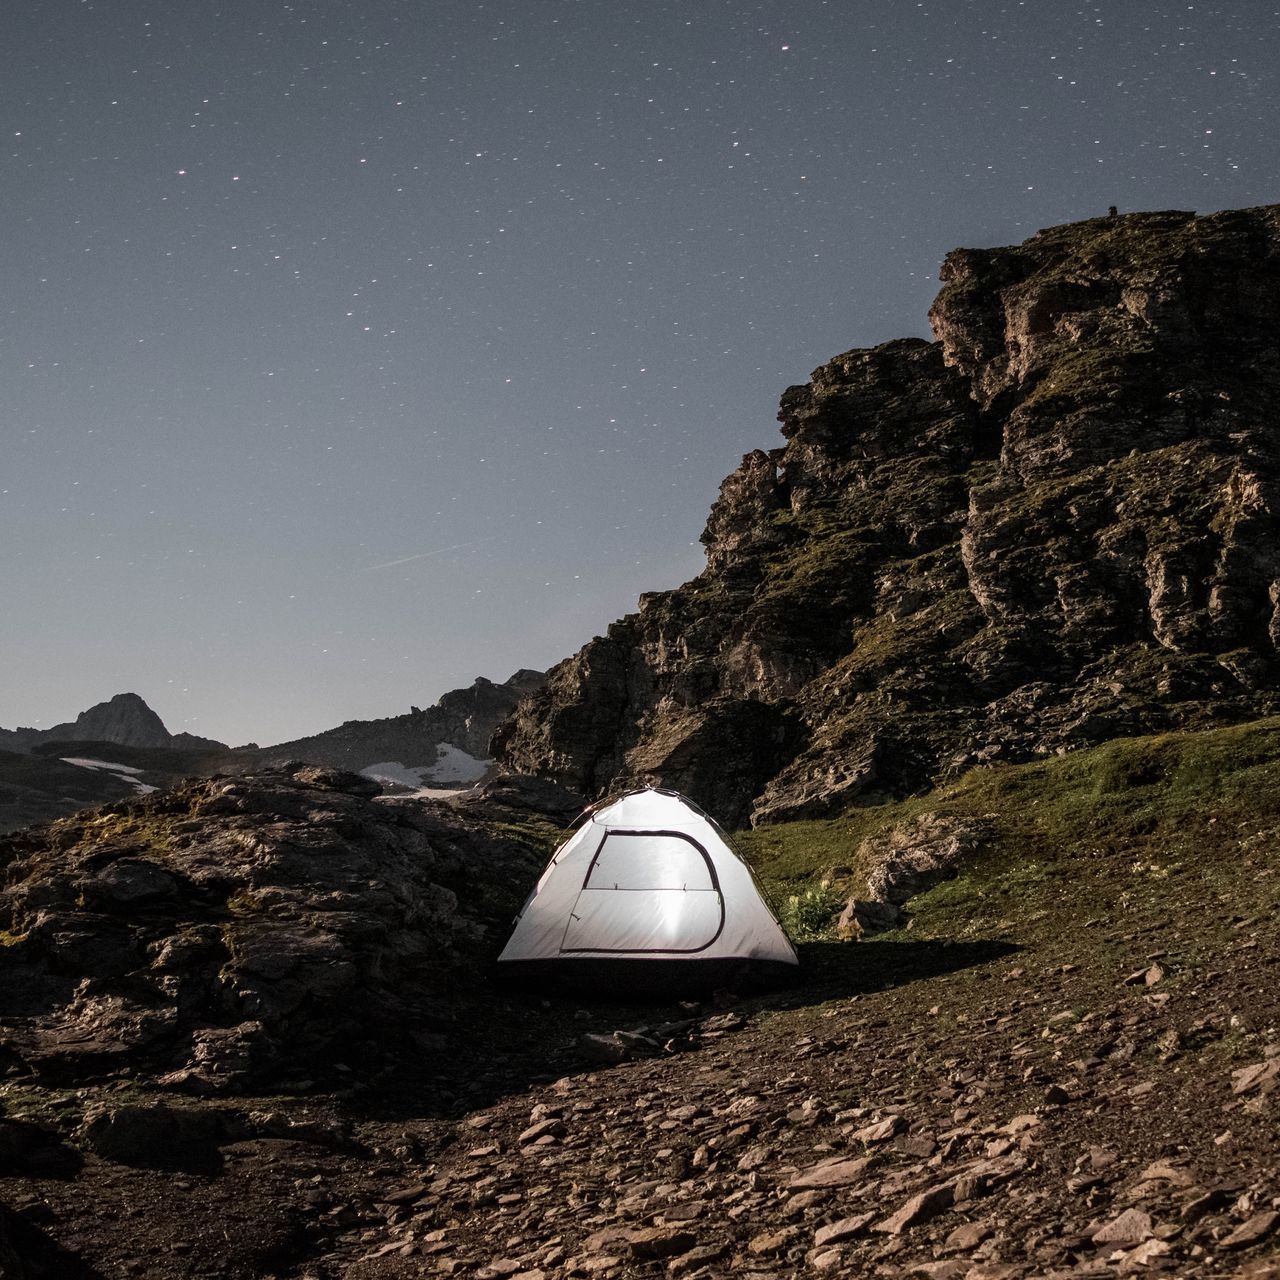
351	350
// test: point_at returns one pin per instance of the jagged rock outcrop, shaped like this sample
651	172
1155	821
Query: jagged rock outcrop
236	930
906	860
1052	526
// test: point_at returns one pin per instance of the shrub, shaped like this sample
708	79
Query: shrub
810	914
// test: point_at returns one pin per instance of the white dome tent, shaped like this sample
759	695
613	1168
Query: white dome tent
647	893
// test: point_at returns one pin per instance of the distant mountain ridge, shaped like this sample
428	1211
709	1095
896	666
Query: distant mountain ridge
121	748
464	719
125	719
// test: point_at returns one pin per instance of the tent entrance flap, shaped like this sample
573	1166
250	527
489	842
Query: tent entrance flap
629	921
646	891
650	860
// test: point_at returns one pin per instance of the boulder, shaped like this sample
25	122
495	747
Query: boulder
861	917
911	857
146	1134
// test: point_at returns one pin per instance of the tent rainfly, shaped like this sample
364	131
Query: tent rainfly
647	893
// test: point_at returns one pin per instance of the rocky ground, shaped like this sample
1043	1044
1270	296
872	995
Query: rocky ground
1066	1065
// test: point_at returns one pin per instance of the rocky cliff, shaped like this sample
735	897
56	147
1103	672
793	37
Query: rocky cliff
1052	526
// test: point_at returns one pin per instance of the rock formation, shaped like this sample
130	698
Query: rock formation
906	860
1053	526
236	930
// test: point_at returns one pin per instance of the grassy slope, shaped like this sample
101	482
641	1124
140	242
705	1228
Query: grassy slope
1188	807
1162	848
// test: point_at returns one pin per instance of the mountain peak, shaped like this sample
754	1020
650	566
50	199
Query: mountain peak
124	718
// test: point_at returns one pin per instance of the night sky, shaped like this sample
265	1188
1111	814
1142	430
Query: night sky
353	350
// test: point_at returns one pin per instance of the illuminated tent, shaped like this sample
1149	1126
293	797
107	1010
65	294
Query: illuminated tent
647	893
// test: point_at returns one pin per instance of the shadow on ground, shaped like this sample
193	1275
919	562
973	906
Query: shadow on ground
27	1253
835	969
36	1151
531	1037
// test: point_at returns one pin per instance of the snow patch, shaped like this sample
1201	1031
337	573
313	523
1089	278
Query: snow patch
436	793
455	765
86	763
125	772
394	771
453	768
